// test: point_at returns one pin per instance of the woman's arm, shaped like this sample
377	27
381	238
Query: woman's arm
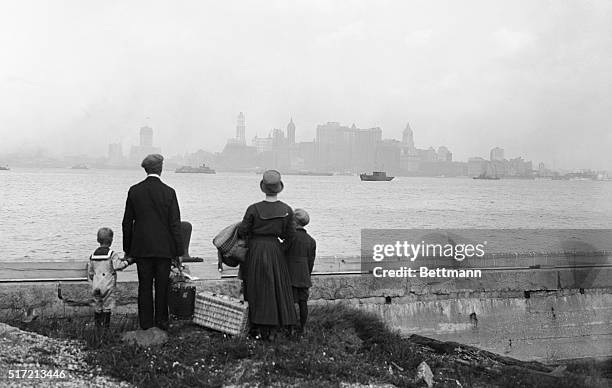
245	228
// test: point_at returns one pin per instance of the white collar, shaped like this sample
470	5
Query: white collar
155	175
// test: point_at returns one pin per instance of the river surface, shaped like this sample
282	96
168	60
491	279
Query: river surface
53	214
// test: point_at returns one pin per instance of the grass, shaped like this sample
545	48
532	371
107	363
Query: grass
339	345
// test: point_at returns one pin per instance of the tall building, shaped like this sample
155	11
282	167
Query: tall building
341	148
146	137
241	129
497	154
138	153
291	132
408	137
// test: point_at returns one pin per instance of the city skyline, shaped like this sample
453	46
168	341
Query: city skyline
529	76
123	155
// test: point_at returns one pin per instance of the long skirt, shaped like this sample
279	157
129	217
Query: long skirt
267	284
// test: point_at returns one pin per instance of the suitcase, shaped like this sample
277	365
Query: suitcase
181	298
222	313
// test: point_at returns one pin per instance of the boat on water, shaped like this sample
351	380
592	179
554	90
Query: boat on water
376	176
203	169
80	167
487	177
4	168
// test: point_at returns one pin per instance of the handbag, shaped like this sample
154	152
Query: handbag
231	249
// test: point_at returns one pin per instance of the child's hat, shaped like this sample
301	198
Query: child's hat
301	217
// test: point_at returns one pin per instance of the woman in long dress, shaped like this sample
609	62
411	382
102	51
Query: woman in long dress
267	286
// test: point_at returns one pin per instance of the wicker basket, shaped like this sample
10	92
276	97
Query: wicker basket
231	249
223	313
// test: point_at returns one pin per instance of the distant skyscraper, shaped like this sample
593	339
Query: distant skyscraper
291	132
408	137
241	129
137	153
497	154
146	137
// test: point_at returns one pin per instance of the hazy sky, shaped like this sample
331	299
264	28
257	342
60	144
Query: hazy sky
530	76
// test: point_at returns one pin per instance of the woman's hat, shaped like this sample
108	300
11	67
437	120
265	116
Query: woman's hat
271	182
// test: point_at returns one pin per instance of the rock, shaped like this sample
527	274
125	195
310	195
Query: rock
150	337
558	371
424	373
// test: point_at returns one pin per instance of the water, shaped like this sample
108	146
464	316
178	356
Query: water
53	214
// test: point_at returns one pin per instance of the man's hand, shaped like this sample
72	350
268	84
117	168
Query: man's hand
130	260
177	262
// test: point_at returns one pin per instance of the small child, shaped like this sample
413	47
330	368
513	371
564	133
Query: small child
300	261
101	270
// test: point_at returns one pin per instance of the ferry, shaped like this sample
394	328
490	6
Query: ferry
376	176
203	169
487	177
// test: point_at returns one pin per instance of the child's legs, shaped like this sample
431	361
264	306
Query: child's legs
108	302
98	304
300	296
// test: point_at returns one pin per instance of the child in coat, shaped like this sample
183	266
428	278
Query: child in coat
101	270
300	261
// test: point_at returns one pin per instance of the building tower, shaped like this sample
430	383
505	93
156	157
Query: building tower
146	137
408	137
291	132
241	129
497	154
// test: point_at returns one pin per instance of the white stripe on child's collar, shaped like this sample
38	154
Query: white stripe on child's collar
100	257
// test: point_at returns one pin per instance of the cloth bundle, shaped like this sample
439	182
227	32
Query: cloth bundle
231	250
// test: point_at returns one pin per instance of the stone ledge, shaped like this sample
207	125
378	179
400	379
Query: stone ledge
17	299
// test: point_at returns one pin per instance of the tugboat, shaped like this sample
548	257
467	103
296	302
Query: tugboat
376	176
203	169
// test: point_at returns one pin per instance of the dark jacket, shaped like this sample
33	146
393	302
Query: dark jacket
152	221
300	254
273	219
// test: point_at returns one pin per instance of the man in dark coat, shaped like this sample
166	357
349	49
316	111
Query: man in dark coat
152	236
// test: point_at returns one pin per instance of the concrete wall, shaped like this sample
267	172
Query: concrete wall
543	314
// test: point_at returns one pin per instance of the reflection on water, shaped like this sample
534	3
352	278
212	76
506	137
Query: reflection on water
54	214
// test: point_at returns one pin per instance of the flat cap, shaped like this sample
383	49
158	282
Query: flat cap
152	161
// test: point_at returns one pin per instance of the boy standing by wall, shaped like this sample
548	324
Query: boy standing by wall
101	270
300	260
